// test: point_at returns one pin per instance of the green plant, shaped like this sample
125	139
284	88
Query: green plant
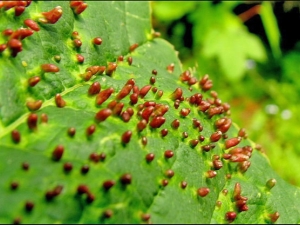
255	88
99	124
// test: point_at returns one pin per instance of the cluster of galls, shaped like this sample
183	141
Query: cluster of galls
150	115
14	42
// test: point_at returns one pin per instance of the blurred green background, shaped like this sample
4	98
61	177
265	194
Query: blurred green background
251	50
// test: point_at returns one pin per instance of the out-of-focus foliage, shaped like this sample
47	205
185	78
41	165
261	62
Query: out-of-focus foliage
255	72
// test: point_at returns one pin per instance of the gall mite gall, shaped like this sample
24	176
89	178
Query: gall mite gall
90	197
156	34
216	136
130	111
19	10
129	60
126	136
124	91
75	34
274	217
169	173
185	76
133	47
7	32
157	121
32	24
271	183
33	81
3	47
68	167
51	68
118	108
203	106
170	68
60	103
169	154
17	220
201	138
80	58
71	131
90	130
184	134
112	104
57	58
97	41
144	90
226	156
111	67
102	156
120	58
203	191
126	179
242	133
29	206
107	213
15	45
85	169
159	94
125	116
183	184
144	141
103	114
78	6
225	192
57	153
150	157
193	143
146	217
154	72
237	191
104	95
175	124
164	132
77	43
177	94
32	121
94	88
52	16
94	157
16	136
230	216
232	142
34	105
176	104
108	184
133	98
206	148
218	204
164	182
152	80
14	185
136	89
211	174
82	189
185	112
196	123
217	164
44	118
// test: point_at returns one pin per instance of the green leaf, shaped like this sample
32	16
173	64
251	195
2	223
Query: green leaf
272	31
52	175
168	11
